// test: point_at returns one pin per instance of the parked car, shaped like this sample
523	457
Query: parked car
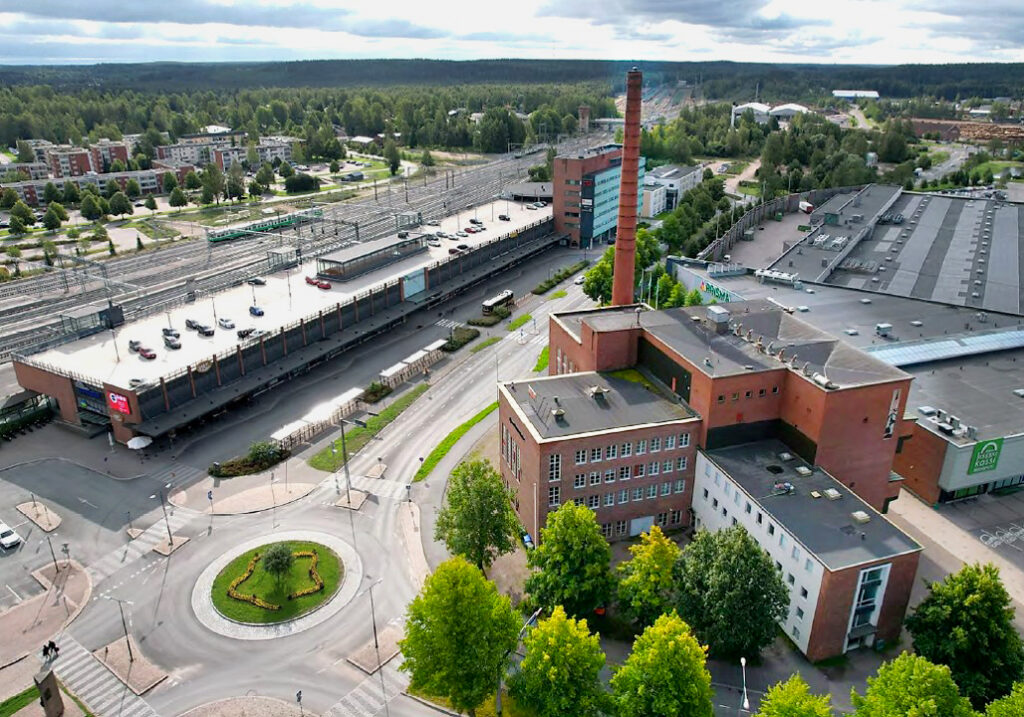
530	206
172	343
171	332
242	333
8	538
147	353
255	311
403	235
527	541
579	280
453	251
135	382
433	242
461	234
225	323
504	217
323	284
205	330
469	229
475	221
433	223
134	346
191	324
257	281
463	247
311	280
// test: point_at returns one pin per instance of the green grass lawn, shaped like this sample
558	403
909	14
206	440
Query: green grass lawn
442	448
484	344
19	701
356	438
631	374
509	706
152	230
519	322
997	167
263	585
749	191
561	293
542	360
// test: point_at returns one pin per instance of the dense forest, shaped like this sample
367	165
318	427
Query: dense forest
721	80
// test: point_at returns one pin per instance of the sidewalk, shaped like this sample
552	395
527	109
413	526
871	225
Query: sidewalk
28	625
292	480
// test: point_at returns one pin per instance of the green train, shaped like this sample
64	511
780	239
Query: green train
264	225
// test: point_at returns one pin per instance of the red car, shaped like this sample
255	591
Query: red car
312	281
146	353
323	284
469	230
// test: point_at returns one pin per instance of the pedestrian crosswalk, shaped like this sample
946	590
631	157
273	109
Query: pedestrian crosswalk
177	474
449	323
368	698
151	537
94	684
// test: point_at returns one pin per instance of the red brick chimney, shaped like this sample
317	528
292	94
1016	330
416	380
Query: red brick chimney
625	237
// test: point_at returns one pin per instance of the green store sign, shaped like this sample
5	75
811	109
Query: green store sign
985	456
717	293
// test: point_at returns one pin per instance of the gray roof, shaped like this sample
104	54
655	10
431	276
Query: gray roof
731	353
825	527
671	171
622	404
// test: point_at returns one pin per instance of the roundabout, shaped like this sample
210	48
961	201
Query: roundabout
323	577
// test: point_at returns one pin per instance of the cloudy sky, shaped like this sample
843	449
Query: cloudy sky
831	31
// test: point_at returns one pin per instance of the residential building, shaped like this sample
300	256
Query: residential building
104	153
34	170
848	570
39	149
268	150
677	181
68	161
855	94
150	182
585	197
180	169
654	202
198	155
219	137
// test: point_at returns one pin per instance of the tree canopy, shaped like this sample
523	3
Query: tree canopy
793	698
911	685
1010	706
647	580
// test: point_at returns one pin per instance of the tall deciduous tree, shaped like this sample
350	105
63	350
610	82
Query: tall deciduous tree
646	581
571	564
477	520
51	220
392	156
1010	706
132	188
111	188
24	213
177	198
793	698
71	195
120	204
169	181
560	674
911	685
730	592
277	560
458	633
665	674
14	227
8	198
150	203
90	207
51	193
966	623
192	180
213	180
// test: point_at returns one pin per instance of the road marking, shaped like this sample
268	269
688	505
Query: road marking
91	505
16	595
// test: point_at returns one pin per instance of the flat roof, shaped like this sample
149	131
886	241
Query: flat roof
825	527
957	250
619	403
736	351
285	298
671	171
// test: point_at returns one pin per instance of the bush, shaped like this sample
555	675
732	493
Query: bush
497	316
375	392
301	183
460	337
558	277
262	455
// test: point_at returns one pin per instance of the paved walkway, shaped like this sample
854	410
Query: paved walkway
95	685
369	696
27	626
149	539
249	707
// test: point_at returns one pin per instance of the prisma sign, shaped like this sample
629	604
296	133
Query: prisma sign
118	402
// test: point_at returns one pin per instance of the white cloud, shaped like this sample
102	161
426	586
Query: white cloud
839	31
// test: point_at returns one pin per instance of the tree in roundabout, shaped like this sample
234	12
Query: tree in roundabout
277	582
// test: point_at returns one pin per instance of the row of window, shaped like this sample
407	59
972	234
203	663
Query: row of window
620	527
761	393
624	495
625	450
640	470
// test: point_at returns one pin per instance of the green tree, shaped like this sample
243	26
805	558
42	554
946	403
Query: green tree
966	623
427	159
51	193
730	592
235	188
459	632
150	203
14	227
665	674
71	194
90	207
392	156
597	282
265	175
646	581
169	182
793	698
25	153
285	170
571	564
693	298
301	182
51	220
24	213
277	560
252	155
59	210
560	674
1010	706
477	520
334	166
132	188
117	166
111	188
177	198
206	195
192	180
120	204
8	198
911	685
214	181
255	189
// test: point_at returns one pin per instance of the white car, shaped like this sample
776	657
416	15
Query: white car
226	323
579	279
8	538
433	242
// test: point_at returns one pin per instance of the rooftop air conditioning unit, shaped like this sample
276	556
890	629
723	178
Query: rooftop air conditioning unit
860	516
803	471
929	411
832	494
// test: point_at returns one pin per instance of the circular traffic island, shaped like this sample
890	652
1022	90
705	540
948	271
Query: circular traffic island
277	582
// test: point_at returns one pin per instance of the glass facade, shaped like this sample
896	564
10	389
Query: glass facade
599	210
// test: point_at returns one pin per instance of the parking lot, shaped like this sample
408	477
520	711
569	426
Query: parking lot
284	298
996	521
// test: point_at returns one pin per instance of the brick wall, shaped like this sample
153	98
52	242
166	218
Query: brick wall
44	382
920	463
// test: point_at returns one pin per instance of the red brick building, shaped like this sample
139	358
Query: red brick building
68	161
569	173
105	152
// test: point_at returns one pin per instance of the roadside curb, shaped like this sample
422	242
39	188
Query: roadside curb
432	705
176	504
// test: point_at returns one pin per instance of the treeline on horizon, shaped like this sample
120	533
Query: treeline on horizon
721	80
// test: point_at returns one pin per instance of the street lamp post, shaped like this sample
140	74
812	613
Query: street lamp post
167	521
743	666
120	606
501	667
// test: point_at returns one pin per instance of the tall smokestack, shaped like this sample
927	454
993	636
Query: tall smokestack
625	237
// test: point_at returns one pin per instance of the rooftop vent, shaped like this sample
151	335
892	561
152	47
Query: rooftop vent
833	494
803	471
785	456
929	411
558	413
597	391
777	470
860	516
815	494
